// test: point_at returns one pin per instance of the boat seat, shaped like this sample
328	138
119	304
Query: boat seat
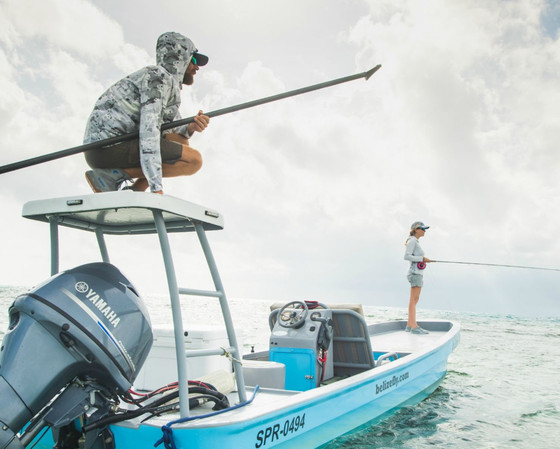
352	353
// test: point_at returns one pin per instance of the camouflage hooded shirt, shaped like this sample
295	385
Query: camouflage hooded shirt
143	101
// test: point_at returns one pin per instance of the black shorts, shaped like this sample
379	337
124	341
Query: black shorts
127	154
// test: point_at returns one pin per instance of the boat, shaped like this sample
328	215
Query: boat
82	366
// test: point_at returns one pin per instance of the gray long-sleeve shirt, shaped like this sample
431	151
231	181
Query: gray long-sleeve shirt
415	254
143	101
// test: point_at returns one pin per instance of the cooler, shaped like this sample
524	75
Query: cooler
160	367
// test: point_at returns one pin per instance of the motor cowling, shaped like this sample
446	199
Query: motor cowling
87	323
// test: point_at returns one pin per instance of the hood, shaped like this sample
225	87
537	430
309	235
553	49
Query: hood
174	52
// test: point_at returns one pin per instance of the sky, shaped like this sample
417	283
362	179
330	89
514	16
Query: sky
459	129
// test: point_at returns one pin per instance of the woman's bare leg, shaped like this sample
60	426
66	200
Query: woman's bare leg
414	298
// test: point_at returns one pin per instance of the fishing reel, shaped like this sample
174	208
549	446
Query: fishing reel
421	265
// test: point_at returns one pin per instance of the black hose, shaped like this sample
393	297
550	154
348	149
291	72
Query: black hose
220	399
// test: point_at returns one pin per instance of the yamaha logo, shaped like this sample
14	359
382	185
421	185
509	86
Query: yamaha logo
81	287
102	305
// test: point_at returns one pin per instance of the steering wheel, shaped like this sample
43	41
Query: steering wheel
293	318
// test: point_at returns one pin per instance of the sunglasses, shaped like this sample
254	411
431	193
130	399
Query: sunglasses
193	60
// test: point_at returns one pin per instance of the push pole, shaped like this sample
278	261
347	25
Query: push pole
291	93
113	140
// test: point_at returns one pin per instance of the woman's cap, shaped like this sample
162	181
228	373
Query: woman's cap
419	225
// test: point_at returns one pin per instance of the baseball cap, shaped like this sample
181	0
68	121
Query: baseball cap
419	225
199	59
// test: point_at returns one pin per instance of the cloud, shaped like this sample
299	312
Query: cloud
459	129
52	71
432	136
76	26
73	24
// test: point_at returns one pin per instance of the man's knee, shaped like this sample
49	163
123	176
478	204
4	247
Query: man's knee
193	158
196	160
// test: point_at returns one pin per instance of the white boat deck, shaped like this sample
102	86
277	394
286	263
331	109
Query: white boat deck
405	342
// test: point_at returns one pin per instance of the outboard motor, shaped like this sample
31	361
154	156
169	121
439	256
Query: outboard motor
79	338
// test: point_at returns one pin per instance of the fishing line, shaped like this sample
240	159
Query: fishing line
497	265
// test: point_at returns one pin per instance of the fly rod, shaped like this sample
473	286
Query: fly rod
497	265
117	139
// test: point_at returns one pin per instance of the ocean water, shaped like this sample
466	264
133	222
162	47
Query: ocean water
502	389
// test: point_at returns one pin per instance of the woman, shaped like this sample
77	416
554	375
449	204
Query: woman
418	262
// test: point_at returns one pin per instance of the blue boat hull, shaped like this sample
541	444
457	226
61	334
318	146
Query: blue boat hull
313	422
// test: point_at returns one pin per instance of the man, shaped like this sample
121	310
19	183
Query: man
142	102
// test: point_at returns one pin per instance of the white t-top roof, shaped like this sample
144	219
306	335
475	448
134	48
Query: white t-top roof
124	212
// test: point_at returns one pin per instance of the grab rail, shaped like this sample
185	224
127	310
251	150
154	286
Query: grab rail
386	356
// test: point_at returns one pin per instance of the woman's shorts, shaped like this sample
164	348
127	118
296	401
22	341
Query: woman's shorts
416	280
127	154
